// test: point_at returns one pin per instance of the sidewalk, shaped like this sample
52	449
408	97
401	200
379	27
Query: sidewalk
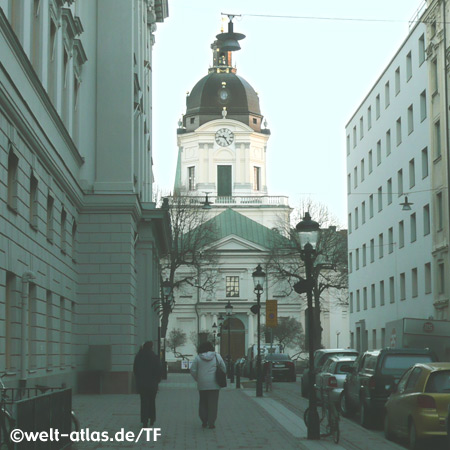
244	421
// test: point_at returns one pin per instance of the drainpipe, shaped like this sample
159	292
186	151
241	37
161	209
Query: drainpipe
26	277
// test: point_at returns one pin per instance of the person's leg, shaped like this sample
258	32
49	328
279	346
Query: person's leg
152	406
144	408
213	402
203	407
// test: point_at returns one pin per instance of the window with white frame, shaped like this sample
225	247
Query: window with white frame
232	286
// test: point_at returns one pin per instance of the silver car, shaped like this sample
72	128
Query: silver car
332	376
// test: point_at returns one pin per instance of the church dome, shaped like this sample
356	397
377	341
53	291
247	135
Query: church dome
219	91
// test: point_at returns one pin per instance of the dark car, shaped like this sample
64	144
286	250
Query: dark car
320	357
283	367
374	376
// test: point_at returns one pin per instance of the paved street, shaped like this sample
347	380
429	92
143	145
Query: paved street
244	421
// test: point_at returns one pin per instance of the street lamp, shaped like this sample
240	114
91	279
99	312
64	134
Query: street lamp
308	231
167	300
229	311
258	280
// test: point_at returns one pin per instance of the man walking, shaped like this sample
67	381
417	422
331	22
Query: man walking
147	372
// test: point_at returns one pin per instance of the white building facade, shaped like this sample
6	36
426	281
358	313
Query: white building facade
80	238
388	159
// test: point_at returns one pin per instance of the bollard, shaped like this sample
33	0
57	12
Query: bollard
232	373
238	377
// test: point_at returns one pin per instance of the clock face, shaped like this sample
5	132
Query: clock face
224	137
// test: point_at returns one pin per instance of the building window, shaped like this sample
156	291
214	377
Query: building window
363	213
402	286
380	199
372	250
348	144
232	286
441	278
354	136
62	331
426	220
388	142
424	163
421	49
358	301
371	205
369	117
349	184
49	328
32	328
378	153
408	66
370	161
437	139
391	290
423	106
391	240
427	276
397	81
377	106
414	283
361	128
355	177
374	339
52	62
13	166
33	201
63	230
357	259
413	227
350	223
389	191
434	76
410	119
351	302
400	182
74	240
10	303
362	170
365	298
412	173
350	262
440	211
50	224
356	218
382	293
380	245
387	95
36	35
191	178
399	131
364	255
256	178
401	234
372	295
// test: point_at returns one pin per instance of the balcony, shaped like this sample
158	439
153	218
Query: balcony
238	200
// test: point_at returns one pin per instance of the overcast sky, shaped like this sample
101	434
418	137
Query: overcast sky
310	74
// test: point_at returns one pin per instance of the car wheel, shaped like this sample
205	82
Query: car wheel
414	442
387	430
364	416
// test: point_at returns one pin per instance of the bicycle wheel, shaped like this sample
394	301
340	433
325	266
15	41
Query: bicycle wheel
75	422
306	417
6	426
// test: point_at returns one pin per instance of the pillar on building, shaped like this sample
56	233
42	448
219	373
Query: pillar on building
203	322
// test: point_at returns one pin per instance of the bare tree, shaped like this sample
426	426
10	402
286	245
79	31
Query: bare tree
192	234
288	332
330	261
177	338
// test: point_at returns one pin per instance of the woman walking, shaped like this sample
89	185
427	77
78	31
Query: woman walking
203	370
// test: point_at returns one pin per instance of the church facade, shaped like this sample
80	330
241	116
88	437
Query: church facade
222	147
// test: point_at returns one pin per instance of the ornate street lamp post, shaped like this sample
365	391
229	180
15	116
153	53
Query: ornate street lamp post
229	312
258	280
167	299
214	327
308	231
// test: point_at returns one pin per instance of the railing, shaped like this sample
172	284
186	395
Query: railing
235	200
416	17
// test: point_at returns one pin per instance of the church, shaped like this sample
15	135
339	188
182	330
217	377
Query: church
222	148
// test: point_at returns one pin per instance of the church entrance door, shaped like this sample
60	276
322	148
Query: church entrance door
236	338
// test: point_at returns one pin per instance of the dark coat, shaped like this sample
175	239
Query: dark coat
147	371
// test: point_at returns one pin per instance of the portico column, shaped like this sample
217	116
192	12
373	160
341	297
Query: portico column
203	322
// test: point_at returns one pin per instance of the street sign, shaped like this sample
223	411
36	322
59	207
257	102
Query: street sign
271	313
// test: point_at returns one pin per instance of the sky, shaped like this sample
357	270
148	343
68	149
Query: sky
311	75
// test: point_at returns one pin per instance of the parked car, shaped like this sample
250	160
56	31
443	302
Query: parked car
372	378
418	407
239	366
320	356
282	366
249	369
333	376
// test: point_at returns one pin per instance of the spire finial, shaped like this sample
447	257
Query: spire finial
224	112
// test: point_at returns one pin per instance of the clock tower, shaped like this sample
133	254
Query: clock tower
222	145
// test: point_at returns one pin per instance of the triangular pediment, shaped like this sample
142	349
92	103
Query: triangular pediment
236	243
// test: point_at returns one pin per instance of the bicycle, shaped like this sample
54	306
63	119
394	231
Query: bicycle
6	419
329	411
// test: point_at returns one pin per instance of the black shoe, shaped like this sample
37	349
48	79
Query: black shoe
152	422
145	424
204	425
